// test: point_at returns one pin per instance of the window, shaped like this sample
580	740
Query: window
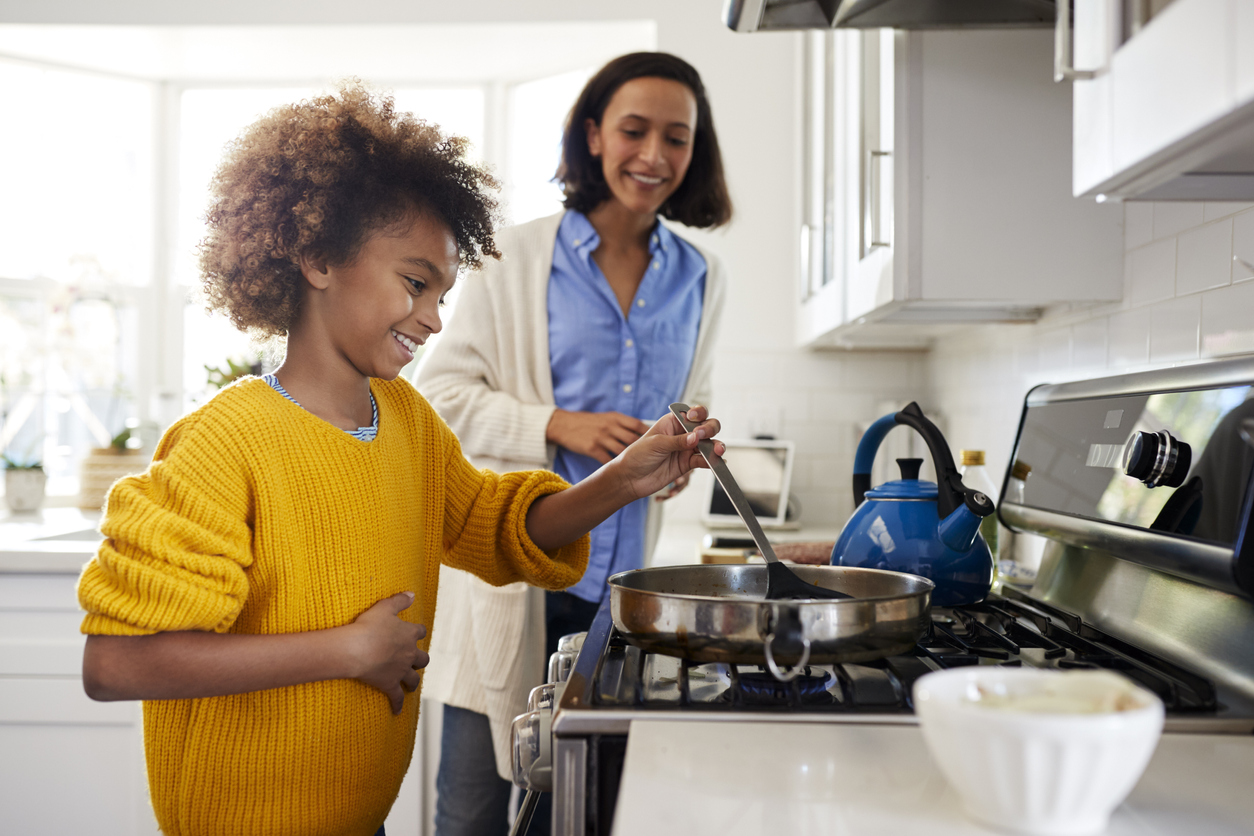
76	232
104	183
537	116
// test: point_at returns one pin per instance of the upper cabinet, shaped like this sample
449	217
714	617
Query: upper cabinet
937	168
1164	106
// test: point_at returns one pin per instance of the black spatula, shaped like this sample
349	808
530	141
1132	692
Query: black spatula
781	582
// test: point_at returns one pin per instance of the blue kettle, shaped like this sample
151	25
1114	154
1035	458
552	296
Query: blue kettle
909	525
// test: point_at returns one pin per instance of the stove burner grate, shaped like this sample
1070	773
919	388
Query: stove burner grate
1005	631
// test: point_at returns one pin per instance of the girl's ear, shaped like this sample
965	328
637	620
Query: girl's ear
314	268
593	132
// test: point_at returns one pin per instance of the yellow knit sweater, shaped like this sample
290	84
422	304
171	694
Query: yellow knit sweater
258	517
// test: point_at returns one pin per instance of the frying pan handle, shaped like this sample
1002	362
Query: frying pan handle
782	626
792	673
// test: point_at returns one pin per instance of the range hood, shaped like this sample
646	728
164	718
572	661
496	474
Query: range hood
776	15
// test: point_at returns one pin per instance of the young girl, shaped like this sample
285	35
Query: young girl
596	320
264	585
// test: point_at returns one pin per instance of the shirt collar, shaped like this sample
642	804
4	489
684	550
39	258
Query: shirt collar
580	235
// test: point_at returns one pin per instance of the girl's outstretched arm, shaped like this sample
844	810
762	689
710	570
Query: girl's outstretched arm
378	648
655	460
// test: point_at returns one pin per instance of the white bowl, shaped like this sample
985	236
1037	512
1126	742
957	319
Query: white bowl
1038	751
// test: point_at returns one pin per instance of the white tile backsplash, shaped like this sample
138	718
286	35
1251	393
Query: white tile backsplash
1243	247
820	400
1174	330
1128	345
1224	209
1185	299
1178	306
1227	325
1204	258
1150	273
1173	218
1088	344
1138	224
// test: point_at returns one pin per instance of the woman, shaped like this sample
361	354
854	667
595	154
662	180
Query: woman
596	319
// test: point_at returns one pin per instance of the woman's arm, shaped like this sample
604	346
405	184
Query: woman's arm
378	648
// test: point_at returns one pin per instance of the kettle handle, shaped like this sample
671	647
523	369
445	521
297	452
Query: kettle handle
951	493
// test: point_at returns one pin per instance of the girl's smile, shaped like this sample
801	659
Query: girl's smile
368	317
386	303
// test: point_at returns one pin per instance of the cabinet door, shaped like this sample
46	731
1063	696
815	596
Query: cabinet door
829	220
69	765
871	274
1171	78
1096	37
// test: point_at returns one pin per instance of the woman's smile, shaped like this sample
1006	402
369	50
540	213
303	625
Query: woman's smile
644	141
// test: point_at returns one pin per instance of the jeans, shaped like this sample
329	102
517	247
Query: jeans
471	799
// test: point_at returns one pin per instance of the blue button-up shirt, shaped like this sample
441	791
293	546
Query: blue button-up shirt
603	361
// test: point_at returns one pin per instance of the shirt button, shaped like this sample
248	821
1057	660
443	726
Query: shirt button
639	303
630	343
626	387
657	265
577	242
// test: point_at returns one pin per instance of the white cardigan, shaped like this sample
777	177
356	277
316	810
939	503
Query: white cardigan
489	377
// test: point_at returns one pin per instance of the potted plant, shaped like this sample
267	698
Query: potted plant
105	465
23	484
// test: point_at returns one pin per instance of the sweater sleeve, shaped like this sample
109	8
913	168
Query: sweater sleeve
461	374
485	525
700	389
177	542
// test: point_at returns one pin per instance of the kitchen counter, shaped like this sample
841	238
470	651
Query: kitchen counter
679	543
51	541
802	779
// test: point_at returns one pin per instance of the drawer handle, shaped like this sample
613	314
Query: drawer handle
1064	59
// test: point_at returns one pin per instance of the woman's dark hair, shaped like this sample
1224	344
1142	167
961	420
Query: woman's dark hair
701	199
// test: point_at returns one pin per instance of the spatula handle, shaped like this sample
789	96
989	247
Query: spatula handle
706	448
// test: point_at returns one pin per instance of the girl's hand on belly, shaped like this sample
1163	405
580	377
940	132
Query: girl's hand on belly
385	649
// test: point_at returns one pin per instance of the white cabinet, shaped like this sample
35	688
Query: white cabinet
69	765
1169	111
938	166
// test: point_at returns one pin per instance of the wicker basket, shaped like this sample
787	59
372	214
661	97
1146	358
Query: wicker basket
101	468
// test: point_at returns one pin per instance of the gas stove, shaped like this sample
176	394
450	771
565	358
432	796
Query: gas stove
1140	489
614	682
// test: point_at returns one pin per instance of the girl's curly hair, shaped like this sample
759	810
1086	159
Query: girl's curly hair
316	178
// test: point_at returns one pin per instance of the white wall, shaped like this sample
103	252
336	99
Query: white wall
1185	300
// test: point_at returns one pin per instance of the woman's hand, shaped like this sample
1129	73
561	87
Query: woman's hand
666	453
600	435
386	649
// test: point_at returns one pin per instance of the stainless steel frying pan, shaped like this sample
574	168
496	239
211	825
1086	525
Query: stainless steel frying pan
718	613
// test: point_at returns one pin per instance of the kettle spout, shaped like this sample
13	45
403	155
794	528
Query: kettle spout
958	530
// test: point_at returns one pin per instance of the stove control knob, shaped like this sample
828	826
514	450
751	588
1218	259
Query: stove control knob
1157	459
562	662
572	642
560	665
532	740
532	751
